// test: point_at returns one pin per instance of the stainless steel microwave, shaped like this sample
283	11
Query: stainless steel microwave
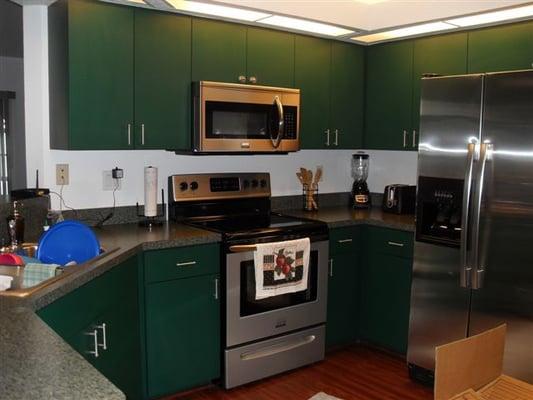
236	118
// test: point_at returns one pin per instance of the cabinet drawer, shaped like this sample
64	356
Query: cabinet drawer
391	242
343	240
183	262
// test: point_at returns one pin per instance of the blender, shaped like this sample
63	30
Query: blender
360	192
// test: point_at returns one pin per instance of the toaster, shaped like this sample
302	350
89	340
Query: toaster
399	199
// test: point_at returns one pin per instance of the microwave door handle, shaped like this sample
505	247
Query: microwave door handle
276	142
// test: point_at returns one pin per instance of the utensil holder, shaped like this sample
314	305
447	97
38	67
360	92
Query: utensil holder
310	197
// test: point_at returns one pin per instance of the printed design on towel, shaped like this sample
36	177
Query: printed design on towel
285	266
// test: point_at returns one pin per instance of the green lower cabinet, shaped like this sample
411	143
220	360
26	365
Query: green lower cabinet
182	334
385	284
103	316
501	48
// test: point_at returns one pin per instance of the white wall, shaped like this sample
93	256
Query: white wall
85	188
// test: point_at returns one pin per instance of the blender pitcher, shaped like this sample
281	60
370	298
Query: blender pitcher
360	192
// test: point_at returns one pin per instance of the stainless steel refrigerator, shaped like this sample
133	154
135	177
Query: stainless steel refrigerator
473	257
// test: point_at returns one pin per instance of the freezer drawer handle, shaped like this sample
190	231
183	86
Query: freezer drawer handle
395	244
277	348
186	264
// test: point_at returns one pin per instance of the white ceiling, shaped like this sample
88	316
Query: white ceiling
374	14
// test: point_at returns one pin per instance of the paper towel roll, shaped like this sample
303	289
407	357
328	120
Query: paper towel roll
150	191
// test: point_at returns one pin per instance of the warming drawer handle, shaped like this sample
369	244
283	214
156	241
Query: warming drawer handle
395	244
186	264
277	348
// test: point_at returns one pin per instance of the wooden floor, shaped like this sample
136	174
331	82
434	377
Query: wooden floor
356	373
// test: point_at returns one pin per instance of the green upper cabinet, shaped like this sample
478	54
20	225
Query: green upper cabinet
501	48
270	57
162	80
218	51
442	55
91	75
347	95
389	96
312	75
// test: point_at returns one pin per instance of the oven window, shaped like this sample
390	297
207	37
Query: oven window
251	306
239	120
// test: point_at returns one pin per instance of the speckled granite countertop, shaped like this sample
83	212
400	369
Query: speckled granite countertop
35	363
337	217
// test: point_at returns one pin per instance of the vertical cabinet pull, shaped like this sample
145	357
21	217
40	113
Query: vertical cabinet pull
404	138
414	137
103	345
336	137
327	137
142	134
129	134
216	289
94	334
331	267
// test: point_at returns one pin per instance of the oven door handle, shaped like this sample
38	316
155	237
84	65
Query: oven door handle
277	348
281	125
243	248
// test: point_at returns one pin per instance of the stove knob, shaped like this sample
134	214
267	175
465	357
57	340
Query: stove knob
246	183
254	183
194	185
184	186
263	183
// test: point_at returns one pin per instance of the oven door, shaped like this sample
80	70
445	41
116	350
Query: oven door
248	319
240	118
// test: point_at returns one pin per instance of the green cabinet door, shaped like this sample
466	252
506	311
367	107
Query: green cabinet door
312	75
341	327
100	60
347	94
182	334
218	51
442	55
501	48
270	57
389	90
385	300
162	80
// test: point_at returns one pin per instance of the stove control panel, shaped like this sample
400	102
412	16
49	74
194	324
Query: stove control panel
194	187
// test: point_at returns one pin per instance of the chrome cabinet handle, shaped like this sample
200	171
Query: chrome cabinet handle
216	289
414	137
395	244
252	79
94	334
129	134
465	271
344	240
276	141
242	79
485	151
142	134
336	143
327	137
186	264
404	138
331	267
103	345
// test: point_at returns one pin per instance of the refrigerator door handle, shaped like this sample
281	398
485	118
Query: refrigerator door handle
484	156
466	269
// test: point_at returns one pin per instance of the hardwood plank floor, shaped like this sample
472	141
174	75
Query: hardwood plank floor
354	373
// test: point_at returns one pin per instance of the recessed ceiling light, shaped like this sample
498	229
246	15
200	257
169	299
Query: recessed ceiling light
218	10
402	32
305	25
494	16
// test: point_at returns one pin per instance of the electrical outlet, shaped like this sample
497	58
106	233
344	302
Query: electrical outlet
109	183
62	174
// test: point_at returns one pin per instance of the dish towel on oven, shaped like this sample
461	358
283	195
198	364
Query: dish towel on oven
281	267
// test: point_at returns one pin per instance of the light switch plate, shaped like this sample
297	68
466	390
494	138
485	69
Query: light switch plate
62	177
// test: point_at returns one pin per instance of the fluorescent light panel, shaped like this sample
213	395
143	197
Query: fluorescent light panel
305	25
403	32
494	16
217	10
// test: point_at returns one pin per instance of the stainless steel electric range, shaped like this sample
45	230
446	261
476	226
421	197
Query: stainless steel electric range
268	336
